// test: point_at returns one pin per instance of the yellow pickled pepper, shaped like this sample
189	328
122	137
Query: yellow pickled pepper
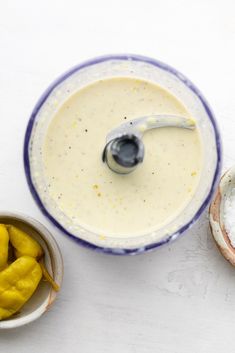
4	241
23	243
17	284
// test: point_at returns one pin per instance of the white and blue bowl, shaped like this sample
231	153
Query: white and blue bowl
178	85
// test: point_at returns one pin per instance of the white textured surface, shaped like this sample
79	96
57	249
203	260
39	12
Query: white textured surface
180	298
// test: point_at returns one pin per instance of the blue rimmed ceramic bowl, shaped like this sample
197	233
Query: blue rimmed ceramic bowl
121	66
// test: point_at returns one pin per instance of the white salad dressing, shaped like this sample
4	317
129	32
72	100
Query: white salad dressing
94	197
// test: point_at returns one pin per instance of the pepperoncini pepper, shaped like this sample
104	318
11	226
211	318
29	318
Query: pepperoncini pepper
23	243
4	241
20	279
17	284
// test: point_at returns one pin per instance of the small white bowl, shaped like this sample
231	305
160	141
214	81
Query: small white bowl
44	295
217	215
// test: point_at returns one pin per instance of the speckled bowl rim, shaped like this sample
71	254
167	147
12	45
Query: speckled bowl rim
182	78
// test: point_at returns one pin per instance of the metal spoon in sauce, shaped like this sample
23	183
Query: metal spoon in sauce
124	148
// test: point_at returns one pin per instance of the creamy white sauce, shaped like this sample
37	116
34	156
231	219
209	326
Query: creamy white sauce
96	198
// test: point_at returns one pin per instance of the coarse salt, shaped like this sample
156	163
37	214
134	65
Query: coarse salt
229	216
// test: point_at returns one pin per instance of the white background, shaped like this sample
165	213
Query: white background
180	298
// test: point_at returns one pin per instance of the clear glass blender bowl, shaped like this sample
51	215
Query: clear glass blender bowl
121	66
